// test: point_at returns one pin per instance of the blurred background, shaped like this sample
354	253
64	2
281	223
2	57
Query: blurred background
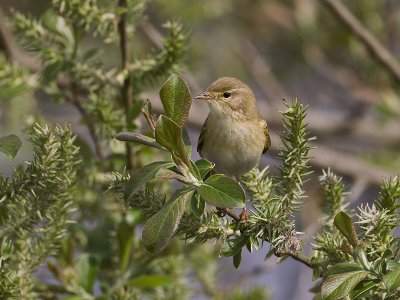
342	61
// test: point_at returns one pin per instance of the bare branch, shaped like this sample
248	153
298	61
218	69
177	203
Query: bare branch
73	98
126	87
375	47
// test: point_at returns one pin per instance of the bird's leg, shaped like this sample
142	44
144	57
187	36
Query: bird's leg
243	215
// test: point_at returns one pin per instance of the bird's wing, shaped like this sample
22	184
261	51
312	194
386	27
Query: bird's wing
200	142
268	139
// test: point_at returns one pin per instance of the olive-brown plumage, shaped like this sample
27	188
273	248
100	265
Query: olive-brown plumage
234	136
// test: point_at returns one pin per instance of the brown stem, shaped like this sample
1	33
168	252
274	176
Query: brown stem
150	121
296	256
375	47
126	87
73	99
301	258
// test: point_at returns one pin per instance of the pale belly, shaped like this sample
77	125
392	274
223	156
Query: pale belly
235	150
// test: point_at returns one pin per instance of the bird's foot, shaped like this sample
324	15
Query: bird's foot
243	215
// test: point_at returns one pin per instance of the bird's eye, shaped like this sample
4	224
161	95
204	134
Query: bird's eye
227	95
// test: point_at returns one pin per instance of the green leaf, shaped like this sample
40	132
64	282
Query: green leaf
345	224
87	270
233	246
10	145
195	171
340	285
237	258
392	280
11	90
362	289
150	281
343	268
169	135
176	99
137	138
222	191
161	227
204	166
197	205
141	177
392	264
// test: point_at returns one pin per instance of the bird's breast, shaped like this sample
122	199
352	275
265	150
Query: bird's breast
235	146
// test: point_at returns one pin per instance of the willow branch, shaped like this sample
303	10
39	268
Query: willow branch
126	87
301	258
375	47
73	98
296	256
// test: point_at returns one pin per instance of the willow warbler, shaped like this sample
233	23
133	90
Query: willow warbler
234	136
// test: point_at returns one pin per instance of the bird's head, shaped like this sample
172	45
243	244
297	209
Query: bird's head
230	96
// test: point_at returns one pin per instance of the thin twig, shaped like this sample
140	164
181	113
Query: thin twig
375	47
301	258
73	99
90	125
296	256
126	87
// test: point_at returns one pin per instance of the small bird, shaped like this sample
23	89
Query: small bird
234	136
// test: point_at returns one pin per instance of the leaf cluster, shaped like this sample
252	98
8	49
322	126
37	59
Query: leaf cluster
80	77
275	199
101	251
33	220
357	254
13	80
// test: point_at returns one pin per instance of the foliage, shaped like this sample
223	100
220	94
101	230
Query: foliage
361	262
60	216
10	144
13	80
35	209
77	212
350	263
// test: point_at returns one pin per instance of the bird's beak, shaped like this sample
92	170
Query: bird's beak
205	96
